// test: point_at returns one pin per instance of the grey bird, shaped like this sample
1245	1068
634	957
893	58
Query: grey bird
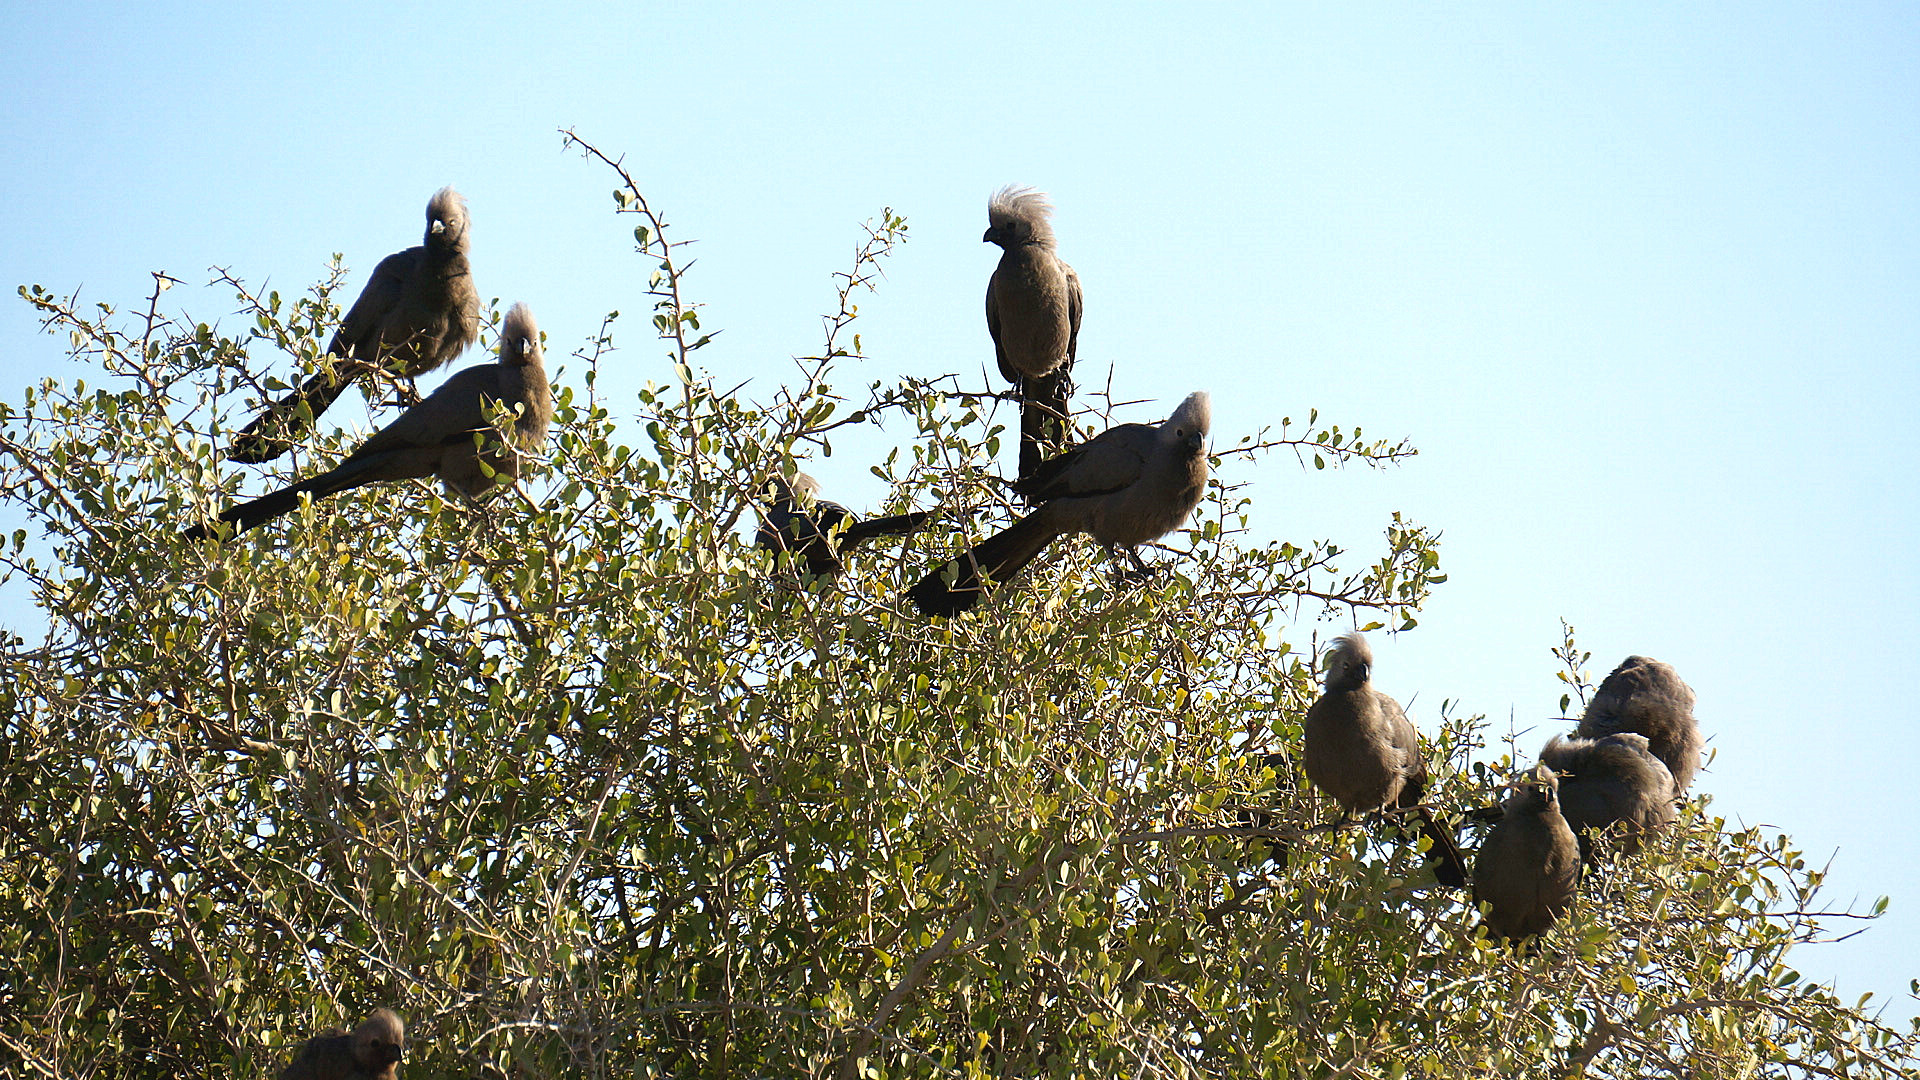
1611	786
1646	697
1129	485
1362	751
372	1052
1033	313
418	312
819	532
438	436
1529	864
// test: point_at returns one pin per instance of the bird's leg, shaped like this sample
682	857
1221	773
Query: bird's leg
1141	571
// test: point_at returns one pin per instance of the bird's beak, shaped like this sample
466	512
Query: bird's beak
990	236
1196	442
437	227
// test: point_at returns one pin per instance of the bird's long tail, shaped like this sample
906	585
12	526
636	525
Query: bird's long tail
998	557
271	505
1448	866
898	525
1044	410
272	432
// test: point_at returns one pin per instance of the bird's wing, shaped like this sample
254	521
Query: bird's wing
1110	461
450	414
1074	306
361	328
993	327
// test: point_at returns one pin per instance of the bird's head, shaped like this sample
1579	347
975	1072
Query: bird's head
380	1040
519	337
447	219
1348	662
1190	422
1018	215
1539	789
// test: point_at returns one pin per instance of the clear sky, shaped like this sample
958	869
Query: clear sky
1640	281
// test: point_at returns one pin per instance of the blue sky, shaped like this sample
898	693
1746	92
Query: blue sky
1639	282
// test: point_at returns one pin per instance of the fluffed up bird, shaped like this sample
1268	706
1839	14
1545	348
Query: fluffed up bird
372	1052
1611	786
419	311
1529	865
1362	751
820	532
438	436
1129	485
1646	697
1033	313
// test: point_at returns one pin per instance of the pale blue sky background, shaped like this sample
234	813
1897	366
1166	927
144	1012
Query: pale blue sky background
1640	282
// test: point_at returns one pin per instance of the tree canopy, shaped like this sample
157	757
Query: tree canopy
583	784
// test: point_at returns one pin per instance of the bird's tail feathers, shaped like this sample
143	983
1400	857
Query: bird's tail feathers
897	525
271	433
1043	418
1449	868
998	557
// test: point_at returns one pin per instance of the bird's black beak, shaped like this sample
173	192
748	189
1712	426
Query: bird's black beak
437	227
1196	442
991	236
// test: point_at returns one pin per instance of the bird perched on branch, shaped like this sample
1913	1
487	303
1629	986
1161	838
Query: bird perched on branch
1611	783
448	435
820	532
419	311
1129	485
1646	697
1362	751
1529	864
372	1052
1033	313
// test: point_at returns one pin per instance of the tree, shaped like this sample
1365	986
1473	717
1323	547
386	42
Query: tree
584	785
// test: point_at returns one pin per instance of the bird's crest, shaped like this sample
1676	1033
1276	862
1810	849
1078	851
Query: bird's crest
450	208
519	337
1347	659
1194	414
1013	206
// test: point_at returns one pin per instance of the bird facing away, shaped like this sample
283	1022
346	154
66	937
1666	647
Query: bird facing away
1529	863
1362	751
1646	697
418	312
1129	485
1612	783
1033	313
819	532
437	436
373	1052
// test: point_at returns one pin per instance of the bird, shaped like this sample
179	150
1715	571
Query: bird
441	436
372	1052
1362	751
1614	782
1646	697
1529	864
1033	312
419	311
1129	485
820	532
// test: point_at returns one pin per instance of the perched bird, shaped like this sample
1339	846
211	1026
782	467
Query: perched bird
1613	782
1033	313
1529	864
1646	697
439	436
418	312
1362	751
372	1052
817	531
1126	486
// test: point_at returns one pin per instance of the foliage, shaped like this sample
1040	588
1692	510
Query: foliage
585	786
